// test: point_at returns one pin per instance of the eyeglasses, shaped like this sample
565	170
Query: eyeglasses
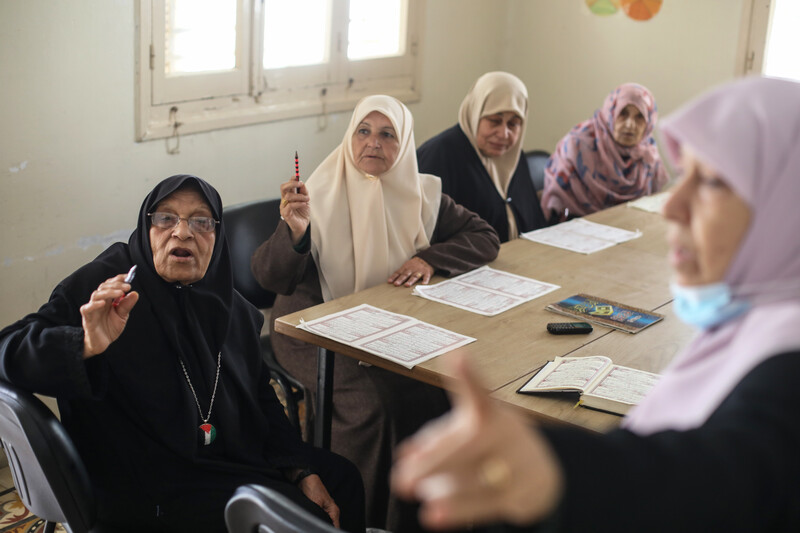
169	221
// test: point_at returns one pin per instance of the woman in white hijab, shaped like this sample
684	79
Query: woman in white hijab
364	217
480	159
714	446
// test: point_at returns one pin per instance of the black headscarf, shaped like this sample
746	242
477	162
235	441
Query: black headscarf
201	309
130	412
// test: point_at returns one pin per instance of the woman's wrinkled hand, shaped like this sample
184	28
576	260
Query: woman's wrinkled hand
414	270
295	210
478	464
103	322
315	491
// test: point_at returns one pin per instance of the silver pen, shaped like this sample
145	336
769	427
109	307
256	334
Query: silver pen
128	278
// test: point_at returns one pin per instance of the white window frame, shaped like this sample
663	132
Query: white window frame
754	30
757	19
179	105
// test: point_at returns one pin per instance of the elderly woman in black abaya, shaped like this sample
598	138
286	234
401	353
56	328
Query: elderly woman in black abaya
162	388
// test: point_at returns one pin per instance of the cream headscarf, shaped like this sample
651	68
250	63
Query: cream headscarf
496	92
363	228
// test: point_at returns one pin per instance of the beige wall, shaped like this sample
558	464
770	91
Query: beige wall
571	59
72	177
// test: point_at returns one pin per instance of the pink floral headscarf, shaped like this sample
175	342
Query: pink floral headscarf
590	171
748	132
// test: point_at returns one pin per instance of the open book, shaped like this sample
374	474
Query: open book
601	384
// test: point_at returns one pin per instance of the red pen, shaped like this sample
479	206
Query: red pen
296	168
128	279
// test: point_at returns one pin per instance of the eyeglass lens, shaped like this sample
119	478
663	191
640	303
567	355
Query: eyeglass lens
169	221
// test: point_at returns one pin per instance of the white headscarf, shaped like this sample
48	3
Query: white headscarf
748	131
492	93
362	228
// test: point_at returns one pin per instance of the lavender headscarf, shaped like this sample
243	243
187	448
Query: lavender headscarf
748	131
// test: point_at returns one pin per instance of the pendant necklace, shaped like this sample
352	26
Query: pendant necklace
207	431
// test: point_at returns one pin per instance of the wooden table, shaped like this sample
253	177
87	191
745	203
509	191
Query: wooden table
513	344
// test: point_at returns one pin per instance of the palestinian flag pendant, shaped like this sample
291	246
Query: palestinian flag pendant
208	433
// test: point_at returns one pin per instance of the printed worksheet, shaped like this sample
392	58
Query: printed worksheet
653	203
485	291
398	338
580	235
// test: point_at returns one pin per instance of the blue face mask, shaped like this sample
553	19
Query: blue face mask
706	306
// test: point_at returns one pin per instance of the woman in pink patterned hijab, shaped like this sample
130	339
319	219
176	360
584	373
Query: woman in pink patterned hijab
606	160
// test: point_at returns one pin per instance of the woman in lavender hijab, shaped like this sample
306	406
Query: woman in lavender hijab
714	447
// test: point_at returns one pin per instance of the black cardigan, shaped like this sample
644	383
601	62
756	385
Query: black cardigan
450	156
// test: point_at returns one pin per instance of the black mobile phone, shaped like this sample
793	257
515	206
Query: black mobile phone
569	328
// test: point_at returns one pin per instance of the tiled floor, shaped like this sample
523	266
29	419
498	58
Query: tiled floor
6	482
14	517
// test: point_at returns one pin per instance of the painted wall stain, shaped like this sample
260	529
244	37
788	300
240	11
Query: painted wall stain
84	243
18	168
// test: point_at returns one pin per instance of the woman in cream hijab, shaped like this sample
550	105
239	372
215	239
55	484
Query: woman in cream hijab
364	217
480	158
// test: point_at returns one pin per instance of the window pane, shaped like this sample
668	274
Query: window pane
783	42
201	36
296	32
377	29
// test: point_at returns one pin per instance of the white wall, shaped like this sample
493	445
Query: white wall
72	177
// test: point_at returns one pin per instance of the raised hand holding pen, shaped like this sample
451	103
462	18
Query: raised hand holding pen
104	316
295	210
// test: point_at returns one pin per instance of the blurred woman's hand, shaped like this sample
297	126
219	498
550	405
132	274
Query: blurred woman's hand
295	209
478	464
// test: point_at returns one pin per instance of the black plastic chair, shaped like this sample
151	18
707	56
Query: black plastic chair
248	225
537	160
254	508
49	476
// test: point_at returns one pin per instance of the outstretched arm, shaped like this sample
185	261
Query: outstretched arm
479	463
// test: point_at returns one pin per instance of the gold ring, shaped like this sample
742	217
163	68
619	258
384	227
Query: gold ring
283	202
418	274
494	473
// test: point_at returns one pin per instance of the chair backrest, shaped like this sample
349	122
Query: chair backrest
256	508
48	473
247	226
537	160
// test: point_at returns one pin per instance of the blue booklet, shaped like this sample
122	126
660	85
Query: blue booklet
605	312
